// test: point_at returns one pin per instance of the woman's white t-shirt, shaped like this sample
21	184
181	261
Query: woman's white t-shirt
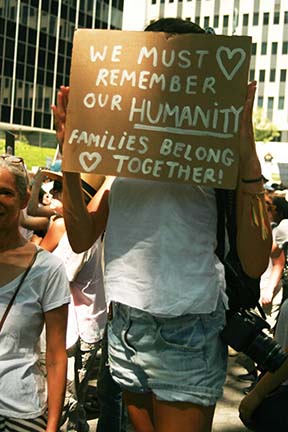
160	246
22	383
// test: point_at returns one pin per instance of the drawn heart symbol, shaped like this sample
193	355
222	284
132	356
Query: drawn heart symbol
94	157
230	54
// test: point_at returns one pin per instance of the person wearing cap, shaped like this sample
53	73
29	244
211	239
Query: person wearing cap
163	281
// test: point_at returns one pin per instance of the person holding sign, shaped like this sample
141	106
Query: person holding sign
163	281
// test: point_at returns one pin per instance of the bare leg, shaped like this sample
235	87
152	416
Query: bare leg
181	416
140	410
148	414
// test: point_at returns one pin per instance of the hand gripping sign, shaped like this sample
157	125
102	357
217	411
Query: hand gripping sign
155	106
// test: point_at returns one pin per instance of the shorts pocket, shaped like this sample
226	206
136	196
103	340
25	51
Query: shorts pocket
185	335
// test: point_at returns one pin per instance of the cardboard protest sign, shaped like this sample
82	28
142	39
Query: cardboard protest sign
155	106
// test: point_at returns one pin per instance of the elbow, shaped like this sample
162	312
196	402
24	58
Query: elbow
79	244
254	265
254	269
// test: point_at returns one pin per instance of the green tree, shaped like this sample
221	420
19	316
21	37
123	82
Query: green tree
264	129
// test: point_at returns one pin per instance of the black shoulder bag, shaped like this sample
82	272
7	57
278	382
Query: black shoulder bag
244	328
242	290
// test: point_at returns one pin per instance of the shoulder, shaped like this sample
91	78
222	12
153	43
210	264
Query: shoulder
280	232
48	260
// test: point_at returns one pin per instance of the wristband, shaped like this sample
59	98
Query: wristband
256	180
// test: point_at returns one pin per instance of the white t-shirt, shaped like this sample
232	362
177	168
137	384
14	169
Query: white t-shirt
22	385
160	248
87	311
280	233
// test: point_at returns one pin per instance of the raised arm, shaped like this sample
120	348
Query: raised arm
33	207
254	238
33	223
278	263
83	226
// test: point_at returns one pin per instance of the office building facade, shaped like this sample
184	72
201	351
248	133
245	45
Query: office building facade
35	54
266	21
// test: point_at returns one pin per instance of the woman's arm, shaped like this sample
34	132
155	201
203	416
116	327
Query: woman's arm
278	262
56	363
83	226
266	385
34	223
254	240
55	232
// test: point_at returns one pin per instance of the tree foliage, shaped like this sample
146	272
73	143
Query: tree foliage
264	129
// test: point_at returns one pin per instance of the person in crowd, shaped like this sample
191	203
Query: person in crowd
34	291
53	204
32	227
86	321
280	215
265	407
271	280
270	294
163	281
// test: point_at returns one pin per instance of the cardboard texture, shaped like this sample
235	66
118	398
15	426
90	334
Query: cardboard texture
146	105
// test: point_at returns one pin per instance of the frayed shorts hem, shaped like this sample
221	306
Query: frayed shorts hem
181	359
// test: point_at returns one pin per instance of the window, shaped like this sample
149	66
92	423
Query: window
252	75
206	21
216	21
274	47
245	20
272	75
254	48
286	17
153	1
197	20
264	48
270	103
276	19
260	101
262	75
225	20
281	102
285	47
256	18
266	18
283	75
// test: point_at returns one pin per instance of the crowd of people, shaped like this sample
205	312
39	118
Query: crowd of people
125	270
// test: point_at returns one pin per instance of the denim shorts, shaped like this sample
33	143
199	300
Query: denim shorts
179	359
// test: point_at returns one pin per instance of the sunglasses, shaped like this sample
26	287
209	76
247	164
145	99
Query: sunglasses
13	159
17	161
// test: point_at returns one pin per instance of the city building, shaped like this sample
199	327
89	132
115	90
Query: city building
266	21
35	54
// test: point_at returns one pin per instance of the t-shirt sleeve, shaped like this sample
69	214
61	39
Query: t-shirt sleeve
57	292
280	234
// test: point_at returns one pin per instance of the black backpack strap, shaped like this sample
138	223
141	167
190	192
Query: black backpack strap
221	222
